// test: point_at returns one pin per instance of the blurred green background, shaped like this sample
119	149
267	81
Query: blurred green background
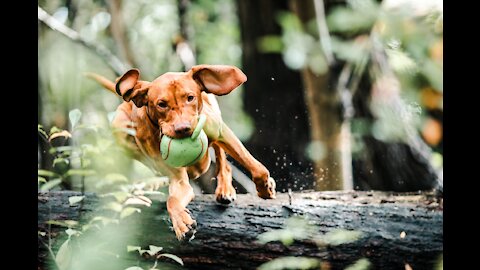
341	94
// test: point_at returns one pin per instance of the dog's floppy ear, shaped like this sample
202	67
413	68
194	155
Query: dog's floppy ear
218	79
131	89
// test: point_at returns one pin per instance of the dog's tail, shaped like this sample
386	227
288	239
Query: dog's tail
106	83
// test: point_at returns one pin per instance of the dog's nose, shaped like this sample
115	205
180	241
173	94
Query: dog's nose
182	128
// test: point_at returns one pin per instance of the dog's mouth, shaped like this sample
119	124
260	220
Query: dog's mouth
179	131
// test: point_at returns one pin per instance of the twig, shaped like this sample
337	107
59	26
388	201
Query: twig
117	66
323	32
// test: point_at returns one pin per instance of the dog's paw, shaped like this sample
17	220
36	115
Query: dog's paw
183	225
225	194
266	189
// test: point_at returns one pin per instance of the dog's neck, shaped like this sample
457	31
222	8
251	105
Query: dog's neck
155	124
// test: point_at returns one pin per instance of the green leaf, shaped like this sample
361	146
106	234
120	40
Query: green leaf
111	116
270	44
173	257
114	206
340	236
64	255
50	184
133	248
42	131
64	223
80	172
71	232
47	173
154	250
116	178
74	116
134	268
75	199
290	262
120	196
129	211
295	229
351	21
41	180
361	264
54	130
42	233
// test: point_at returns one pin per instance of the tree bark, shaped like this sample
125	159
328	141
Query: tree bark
333	168
226	237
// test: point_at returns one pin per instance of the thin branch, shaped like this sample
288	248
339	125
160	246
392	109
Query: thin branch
323	31
115	64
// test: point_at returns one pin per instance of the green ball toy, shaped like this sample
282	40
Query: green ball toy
185	152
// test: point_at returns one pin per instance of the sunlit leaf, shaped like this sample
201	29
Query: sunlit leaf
154	249
54	130
75	199
173	257
270	44
41	180
361	264
138	200
134	268
111	116
114	206
401	62
42	233
63	133
64	255
50	184
47	173
290	262
42	131
343	19
70	232
80	172
116	177
295	229
340	236
129	211
64	223
354	52
317	63
133	248
74	116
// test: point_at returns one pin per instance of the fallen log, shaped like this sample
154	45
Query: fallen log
397	228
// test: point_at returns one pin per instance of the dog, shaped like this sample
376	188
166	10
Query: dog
170	105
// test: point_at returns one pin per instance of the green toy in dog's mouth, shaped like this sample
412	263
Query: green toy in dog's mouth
186	151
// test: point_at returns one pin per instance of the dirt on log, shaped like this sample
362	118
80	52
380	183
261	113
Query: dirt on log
397	229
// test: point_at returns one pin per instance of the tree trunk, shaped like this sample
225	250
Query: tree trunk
397	229
329	134
273	97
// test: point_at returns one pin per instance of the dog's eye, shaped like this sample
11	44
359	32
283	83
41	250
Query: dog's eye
162	104
190	98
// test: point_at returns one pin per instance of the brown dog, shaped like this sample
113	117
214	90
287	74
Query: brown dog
170	105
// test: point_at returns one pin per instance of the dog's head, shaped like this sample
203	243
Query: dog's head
174	100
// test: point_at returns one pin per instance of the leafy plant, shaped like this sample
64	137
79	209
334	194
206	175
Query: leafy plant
298	228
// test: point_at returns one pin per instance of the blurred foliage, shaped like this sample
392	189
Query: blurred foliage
409	33
151	31
298	228
87	157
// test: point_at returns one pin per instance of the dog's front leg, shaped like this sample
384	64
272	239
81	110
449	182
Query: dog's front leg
180	194
260	175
